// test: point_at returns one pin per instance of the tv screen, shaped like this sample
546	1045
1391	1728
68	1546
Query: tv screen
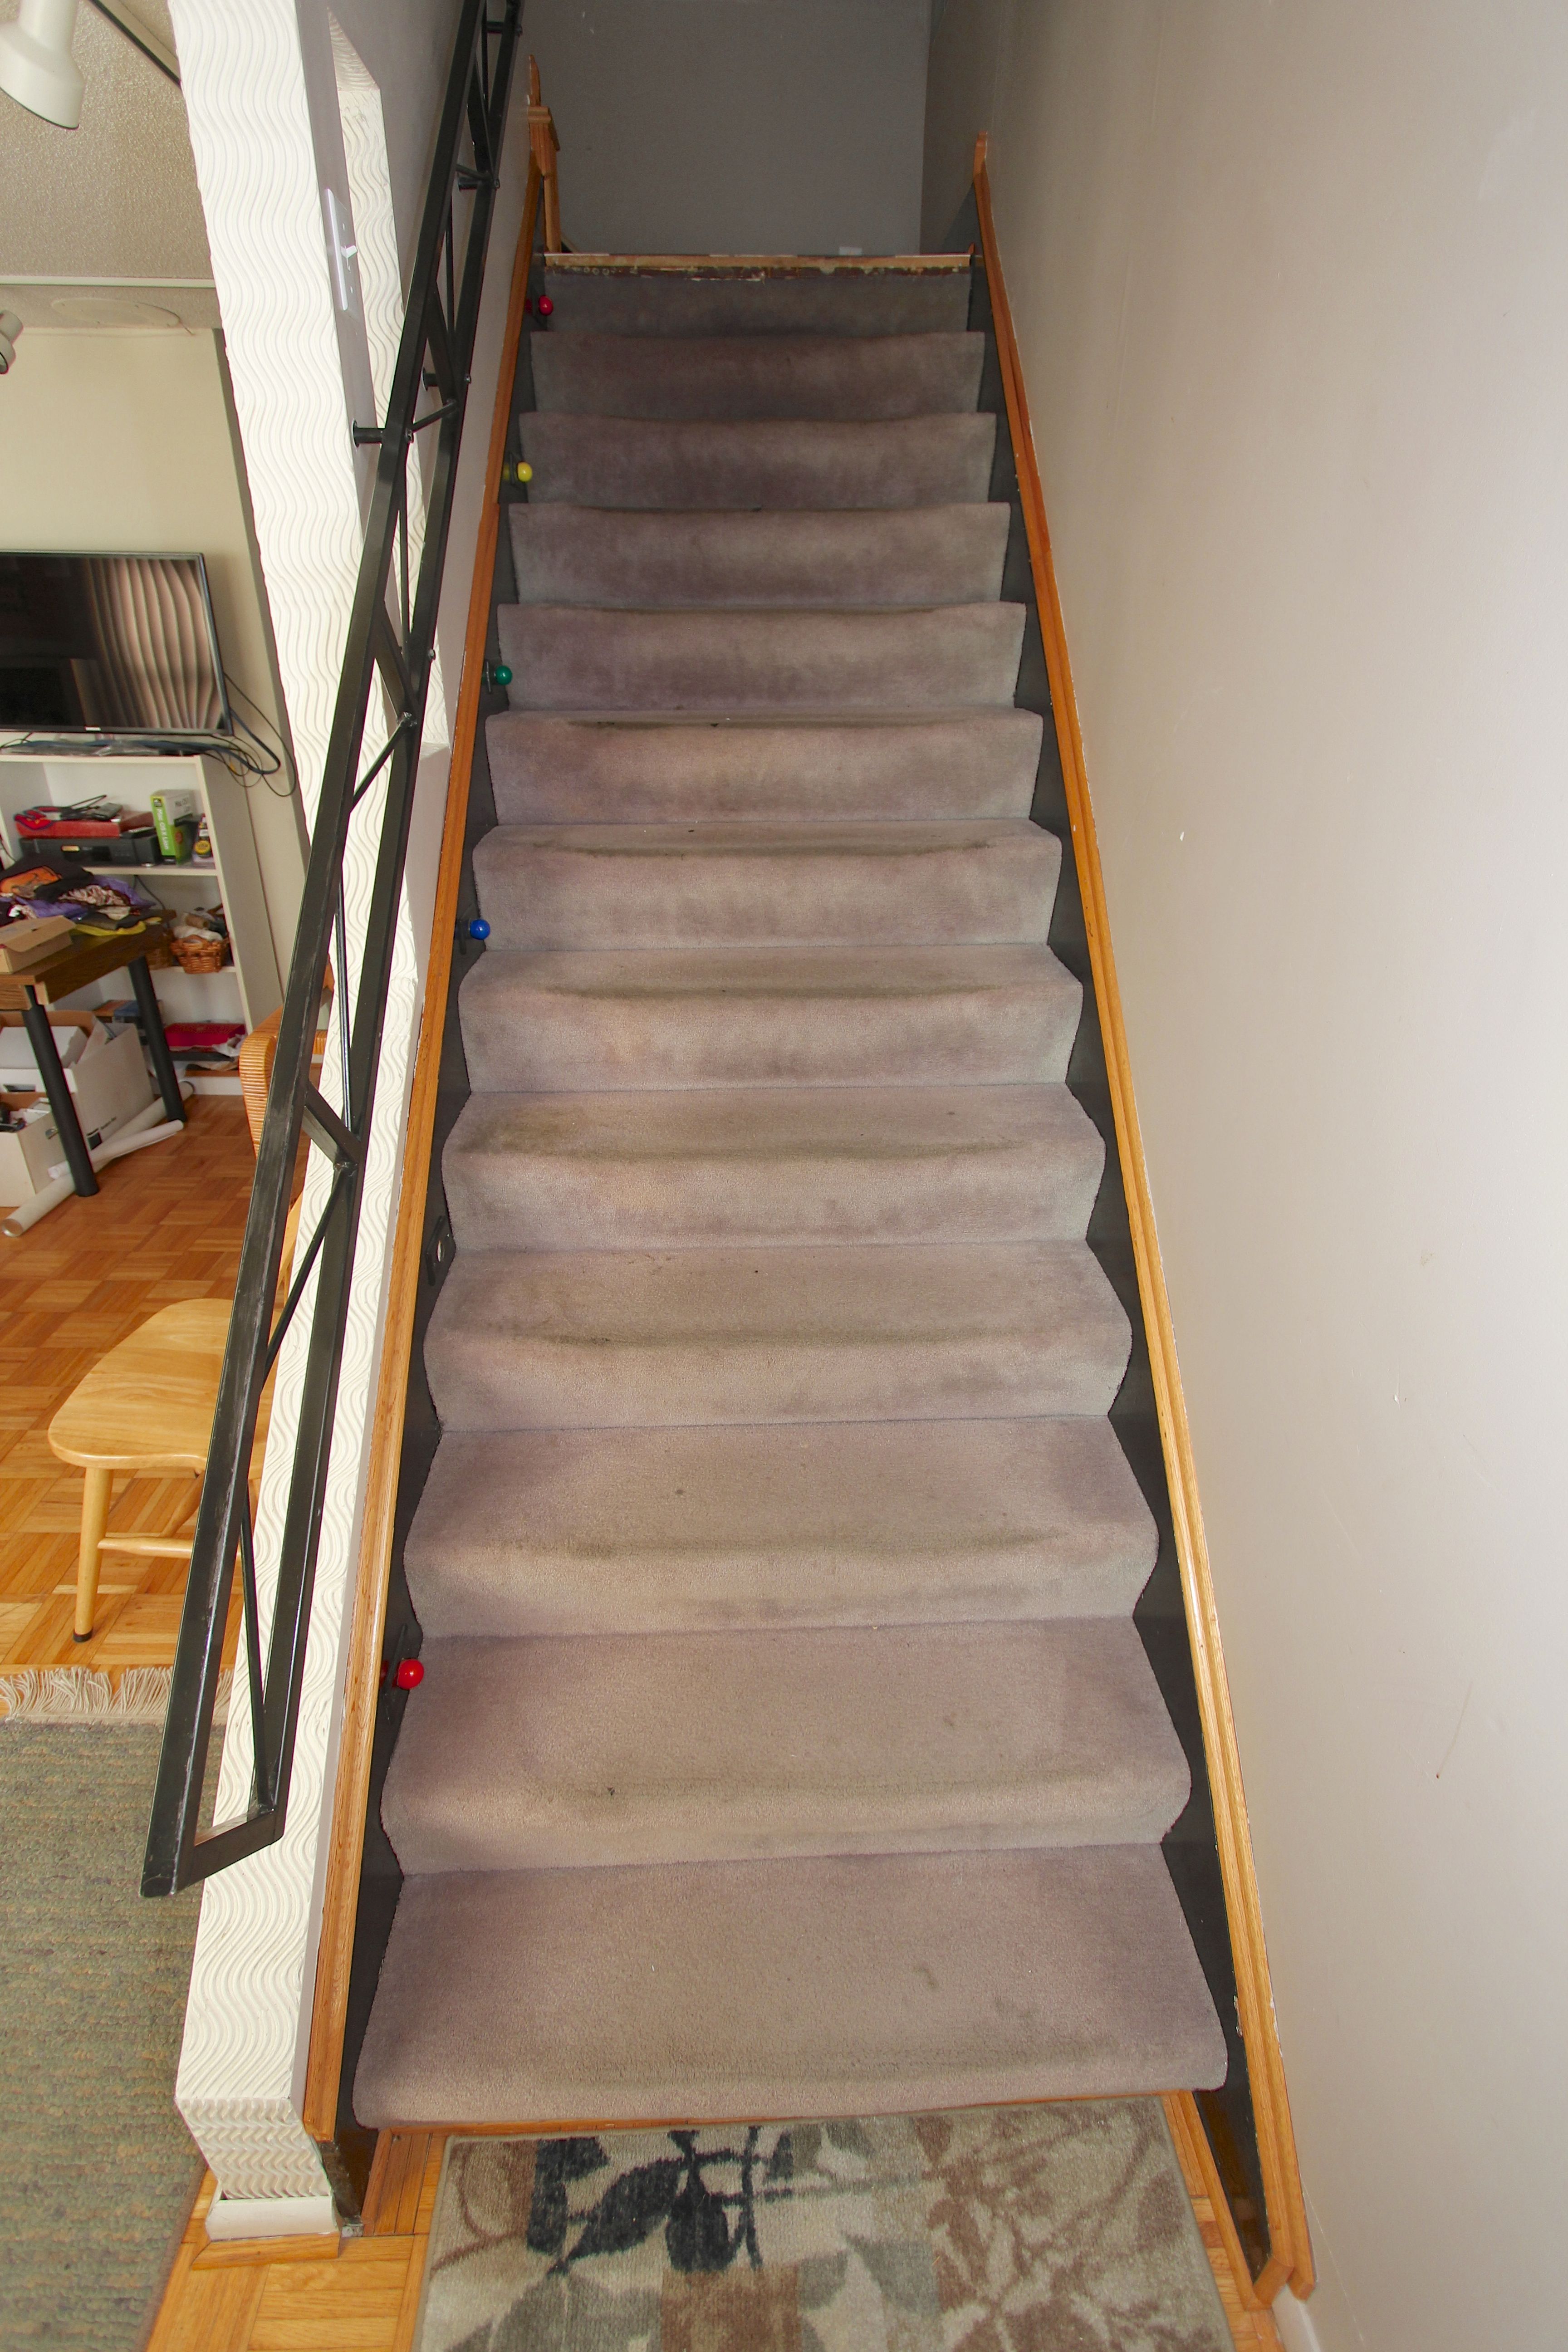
114	644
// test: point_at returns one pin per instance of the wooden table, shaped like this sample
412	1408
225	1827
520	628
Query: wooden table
59	975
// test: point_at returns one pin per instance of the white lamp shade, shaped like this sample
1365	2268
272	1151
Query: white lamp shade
36	67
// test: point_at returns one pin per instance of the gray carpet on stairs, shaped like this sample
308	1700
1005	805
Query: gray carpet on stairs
786	1746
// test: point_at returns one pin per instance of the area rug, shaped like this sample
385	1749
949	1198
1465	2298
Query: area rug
99	2171
1056	2229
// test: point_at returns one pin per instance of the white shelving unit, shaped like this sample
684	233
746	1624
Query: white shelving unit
247	990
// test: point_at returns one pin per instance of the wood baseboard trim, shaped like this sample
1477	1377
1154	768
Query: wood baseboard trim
1287	2213
341	1897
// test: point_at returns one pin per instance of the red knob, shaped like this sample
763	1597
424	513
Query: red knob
410	1673
546	307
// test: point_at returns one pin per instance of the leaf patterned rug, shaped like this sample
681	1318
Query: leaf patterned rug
1054	2228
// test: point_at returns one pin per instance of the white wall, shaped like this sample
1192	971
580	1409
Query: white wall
735	126
121	442
1291	286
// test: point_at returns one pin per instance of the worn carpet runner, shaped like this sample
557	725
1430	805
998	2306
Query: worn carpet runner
786	1745
99	2170
1059	2229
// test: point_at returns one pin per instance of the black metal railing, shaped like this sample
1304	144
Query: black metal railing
391	637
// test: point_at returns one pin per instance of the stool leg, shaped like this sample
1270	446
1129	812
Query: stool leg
95	1500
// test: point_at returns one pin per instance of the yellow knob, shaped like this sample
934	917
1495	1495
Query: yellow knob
524	470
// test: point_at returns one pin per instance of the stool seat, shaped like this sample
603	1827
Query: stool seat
148	1405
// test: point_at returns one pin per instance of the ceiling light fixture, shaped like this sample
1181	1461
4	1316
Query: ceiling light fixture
36	67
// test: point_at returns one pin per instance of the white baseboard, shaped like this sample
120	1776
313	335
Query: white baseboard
1294	2321
271	2217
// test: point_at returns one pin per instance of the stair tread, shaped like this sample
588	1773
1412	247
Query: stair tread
584	1020
632	462
570	656
709	880
562	1531
742	378
633	1170
597	555
575	1338
857	1985
547	1754
549	767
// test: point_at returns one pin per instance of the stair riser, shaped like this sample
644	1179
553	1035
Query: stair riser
482	1380
742	380
532	1180
805	301
953	656
586	555
551	771
564	1533
631	464
567	1755
536	893
514	1201
521	1032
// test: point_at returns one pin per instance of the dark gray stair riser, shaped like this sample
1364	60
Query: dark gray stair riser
817	379
689	1168
629	1339
622	886
805	301
631	463
788	1017
590	556
547	769
918	1741
625	1531
563	658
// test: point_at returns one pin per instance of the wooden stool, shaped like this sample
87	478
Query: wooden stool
147	1408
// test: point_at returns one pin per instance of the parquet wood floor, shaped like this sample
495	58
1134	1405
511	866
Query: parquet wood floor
303	2295
167	1225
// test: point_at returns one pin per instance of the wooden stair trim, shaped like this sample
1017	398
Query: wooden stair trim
1290	2242
350	1793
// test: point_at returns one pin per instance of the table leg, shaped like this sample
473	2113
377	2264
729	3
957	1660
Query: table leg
62	1102
97	1494
153	1031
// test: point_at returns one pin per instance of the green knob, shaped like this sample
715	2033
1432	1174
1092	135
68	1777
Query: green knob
501	672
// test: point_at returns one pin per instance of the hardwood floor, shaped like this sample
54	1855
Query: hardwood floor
307	2294
167	1225
299	2296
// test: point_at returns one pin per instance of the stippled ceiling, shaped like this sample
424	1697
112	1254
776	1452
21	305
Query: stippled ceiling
114	200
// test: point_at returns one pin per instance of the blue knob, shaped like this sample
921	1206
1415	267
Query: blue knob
479	929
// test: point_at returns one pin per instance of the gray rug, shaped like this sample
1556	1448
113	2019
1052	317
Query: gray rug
1052	2229
99	2171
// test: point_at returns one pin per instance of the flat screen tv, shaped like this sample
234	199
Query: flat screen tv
109	645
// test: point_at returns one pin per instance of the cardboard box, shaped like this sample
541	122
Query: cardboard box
109	1083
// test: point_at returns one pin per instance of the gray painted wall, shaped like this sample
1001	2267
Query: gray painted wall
736	126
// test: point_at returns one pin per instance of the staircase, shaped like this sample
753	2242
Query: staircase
786	1746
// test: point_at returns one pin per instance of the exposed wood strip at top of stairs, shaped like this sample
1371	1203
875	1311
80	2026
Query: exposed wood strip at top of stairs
754	264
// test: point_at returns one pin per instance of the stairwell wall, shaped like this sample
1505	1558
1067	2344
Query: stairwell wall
1289	288
705	126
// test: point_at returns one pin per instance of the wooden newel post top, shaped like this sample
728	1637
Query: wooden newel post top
545	147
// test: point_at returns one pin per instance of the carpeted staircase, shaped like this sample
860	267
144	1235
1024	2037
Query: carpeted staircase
786	1747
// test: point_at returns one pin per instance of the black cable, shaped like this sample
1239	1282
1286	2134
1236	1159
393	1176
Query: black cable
282	743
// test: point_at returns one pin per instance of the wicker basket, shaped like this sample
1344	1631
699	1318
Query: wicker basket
200	954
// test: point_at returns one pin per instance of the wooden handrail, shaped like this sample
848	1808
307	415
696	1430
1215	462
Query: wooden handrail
1291	2254
350	1794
